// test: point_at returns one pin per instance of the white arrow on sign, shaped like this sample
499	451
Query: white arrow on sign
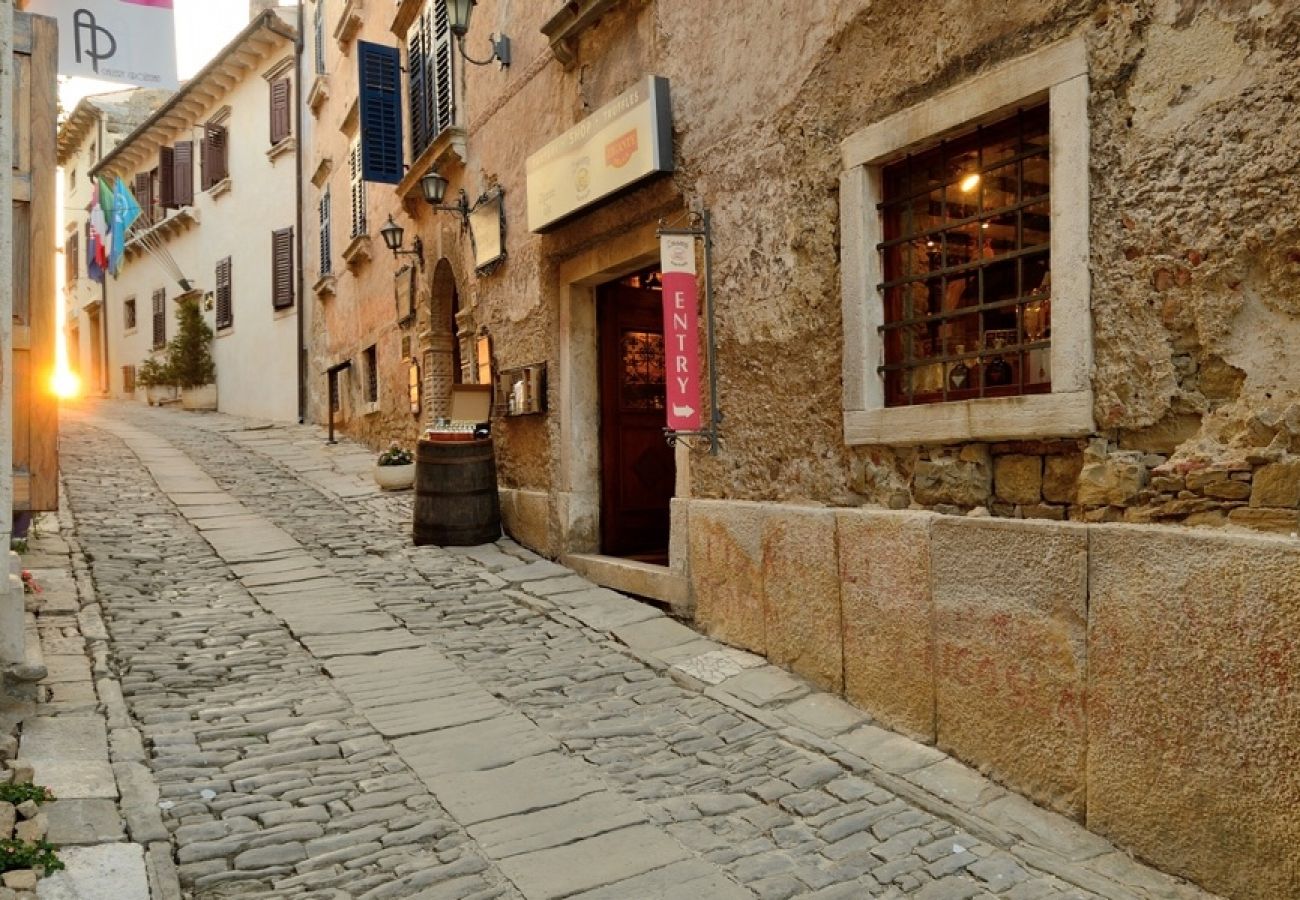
683	411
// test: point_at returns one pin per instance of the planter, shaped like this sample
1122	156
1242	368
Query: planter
395	478
203	397
157	394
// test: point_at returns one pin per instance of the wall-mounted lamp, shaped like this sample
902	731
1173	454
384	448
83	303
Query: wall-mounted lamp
458	13
392	233
434	188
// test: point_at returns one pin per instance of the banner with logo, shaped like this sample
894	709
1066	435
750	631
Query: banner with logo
681	331
130	41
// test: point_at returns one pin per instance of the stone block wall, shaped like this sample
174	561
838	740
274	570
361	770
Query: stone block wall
1143	679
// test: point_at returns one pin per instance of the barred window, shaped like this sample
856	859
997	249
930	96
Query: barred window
159	319
966	263
225	294
326	252
371	374
128	314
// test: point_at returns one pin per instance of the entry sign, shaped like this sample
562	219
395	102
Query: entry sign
681	331
131	41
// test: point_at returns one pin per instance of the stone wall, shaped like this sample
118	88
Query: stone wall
1141	679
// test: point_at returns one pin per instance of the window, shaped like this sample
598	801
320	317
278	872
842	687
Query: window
358	190
128	314
379	83
430	101
225	305
146	194
965	261
282	268
71	250
213	155
371	375
159	319
281	126
965	255
128	379
326	255
318	36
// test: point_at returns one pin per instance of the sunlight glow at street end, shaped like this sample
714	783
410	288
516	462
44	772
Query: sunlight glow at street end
65	384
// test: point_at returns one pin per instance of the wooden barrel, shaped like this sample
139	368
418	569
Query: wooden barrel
456	503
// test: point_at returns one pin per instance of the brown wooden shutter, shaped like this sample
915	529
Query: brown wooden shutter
225	306
70	251
183	174
213	155
144	197
205	159
167	178
159	319
280	127
282	268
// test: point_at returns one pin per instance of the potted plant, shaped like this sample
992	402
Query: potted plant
156	380
189	357
395	469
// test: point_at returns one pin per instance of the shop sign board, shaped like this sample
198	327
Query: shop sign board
620	144
129	41
681	331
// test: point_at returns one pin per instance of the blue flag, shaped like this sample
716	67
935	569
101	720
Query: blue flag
125	211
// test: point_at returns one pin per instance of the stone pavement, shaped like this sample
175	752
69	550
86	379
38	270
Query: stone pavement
326	711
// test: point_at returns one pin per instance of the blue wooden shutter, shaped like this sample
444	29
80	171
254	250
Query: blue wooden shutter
381	113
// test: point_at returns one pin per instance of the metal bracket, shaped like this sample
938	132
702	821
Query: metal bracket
698	225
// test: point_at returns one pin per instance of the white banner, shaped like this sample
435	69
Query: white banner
131	41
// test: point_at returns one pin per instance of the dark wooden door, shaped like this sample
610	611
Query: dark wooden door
638	473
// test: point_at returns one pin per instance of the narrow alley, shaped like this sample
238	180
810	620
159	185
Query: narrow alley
330	712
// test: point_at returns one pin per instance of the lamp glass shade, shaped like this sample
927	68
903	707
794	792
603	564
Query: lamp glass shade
392	233
458	13
434	187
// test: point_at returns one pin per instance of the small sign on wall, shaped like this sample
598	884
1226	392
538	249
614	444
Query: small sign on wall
681	331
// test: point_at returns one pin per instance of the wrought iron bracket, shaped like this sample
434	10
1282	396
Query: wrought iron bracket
698	225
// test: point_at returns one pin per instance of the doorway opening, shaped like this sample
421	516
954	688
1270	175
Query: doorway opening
638	468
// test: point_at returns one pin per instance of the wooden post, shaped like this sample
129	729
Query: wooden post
11	607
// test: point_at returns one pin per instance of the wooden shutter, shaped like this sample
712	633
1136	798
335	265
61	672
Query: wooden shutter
280	127
183	174
70	252
442	73
213	154
417	87
381	112
167	177
225	306
282	268
358	190
128	314
159	319
318	25
144	197
326	252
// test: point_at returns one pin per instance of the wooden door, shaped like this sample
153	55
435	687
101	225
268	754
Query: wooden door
35	409
638	472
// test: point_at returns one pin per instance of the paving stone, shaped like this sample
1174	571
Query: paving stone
49	738
679	881
76	779
533	783
83	822
591	863
472	748
587	816
765	686
891	752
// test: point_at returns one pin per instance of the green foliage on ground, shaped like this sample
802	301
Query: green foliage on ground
28	855
20	793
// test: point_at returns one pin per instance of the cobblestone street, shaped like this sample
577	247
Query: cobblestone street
326	711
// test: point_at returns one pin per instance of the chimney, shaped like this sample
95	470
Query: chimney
285	8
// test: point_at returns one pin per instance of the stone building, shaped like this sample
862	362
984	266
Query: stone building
215	174
92	129
1010	441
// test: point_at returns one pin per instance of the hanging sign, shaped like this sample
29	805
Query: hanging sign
623	142
129	41
681	331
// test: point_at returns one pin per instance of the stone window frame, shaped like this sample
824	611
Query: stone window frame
1058	74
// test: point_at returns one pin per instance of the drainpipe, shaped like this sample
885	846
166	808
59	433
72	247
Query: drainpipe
300	274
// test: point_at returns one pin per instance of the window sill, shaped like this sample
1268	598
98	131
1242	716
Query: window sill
225	330
284	312
180	221
350	21
286	145
992	419
319	93
322	172
324	286
220	188
127	332
357	253
370	409
407	10
450	140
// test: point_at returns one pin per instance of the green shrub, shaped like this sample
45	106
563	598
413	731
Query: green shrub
28	855
19	793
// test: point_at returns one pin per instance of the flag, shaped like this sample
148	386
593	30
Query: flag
95	256
125	211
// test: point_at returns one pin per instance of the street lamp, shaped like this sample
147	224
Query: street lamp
392	233
458	13
434	188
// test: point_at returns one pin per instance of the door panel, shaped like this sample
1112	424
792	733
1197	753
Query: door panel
638	471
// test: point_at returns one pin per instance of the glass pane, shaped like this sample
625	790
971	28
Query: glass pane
642	370
1037	175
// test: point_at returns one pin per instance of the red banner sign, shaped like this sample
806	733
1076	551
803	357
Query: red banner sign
681	332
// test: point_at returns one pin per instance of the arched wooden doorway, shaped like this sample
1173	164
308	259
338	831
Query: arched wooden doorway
442	363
